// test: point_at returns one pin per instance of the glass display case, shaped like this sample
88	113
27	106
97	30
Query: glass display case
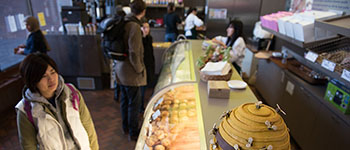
178	65
180	113
173	117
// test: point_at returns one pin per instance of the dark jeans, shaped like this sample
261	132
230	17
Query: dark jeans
130	105
142	106
116	91
170	37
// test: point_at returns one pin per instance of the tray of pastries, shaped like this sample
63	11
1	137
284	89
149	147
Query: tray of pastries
173	123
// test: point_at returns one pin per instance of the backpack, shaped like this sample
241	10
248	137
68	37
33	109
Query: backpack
113	31
75	100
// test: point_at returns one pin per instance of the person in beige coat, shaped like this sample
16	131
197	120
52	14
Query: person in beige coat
52	115
131	72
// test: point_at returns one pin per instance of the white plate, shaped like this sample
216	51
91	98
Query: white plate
237	84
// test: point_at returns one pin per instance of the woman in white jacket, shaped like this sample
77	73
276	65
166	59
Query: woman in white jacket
192	24
52	115
235	40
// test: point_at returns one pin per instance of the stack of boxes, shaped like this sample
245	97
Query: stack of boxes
299	26
270	20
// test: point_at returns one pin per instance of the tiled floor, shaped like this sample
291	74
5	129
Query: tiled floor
105	113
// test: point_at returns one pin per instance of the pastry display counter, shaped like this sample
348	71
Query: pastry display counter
177	65
180	114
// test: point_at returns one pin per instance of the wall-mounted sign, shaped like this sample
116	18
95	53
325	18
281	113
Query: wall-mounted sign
41	17
11	23
217	13
20	18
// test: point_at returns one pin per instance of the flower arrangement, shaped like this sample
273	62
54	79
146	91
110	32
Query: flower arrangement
214	55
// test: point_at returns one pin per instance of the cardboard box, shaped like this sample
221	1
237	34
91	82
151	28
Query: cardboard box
304	31
218	89
282	23
289	27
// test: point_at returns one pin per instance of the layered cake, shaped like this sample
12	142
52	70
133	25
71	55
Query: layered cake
252	126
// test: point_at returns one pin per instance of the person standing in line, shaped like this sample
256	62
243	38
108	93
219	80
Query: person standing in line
171	20
121	13
131	72
192	24
149	61
36	41
235	40
52	114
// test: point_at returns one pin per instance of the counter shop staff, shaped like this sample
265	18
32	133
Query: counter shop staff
235	40
192	23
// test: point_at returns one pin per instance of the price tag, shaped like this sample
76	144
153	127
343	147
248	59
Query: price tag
328	65
146	147
149	130
155	115
159	101
346	75
311	56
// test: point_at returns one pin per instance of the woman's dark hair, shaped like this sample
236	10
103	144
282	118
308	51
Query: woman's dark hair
190	10
238	31
171	7
137	6
33	67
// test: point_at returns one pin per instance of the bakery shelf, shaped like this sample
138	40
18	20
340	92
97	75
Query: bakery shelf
340	25
286	38
295	42
298	48
317	67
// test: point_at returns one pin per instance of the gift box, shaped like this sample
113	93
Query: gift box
289	26
218	89
304	30
282	24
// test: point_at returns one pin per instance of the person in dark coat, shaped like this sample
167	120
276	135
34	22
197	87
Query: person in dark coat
148	59
131	72
36	41
171	20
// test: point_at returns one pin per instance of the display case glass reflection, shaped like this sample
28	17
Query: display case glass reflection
177	66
